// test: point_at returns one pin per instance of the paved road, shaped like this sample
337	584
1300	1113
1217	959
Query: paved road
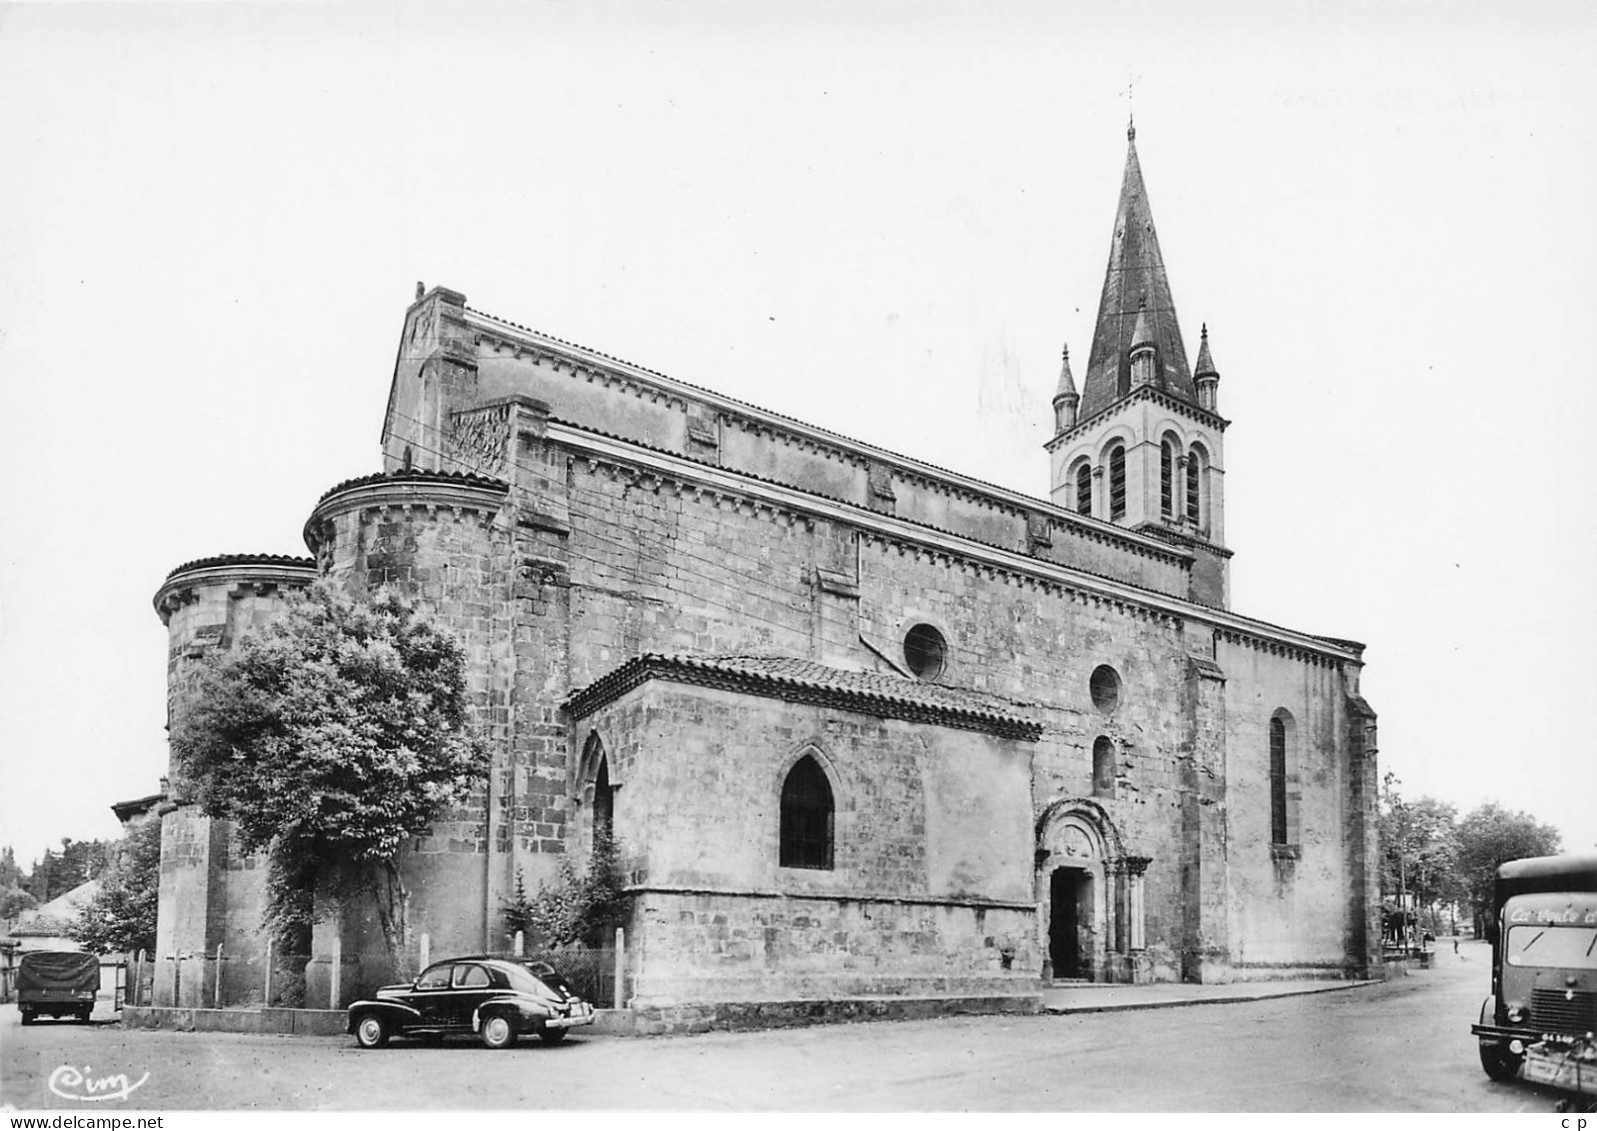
1401	1046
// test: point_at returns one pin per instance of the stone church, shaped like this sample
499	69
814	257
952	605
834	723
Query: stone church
861	726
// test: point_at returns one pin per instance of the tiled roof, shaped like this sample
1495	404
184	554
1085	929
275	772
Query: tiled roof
804	681
218	560
415	475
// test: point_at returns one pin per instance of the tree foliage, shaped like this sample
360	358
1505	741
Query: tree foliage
330	737
1490	836
1419	847
56	873
121	916
575	908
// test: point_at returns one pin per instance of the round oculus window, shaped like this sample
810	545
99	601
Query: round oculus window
1105	687
925	652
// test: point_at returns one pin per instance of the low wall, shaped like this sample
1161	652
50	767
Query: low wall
295	1022
648	1022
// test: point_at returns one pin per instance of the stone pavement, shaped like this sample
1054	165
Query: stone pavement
1096	997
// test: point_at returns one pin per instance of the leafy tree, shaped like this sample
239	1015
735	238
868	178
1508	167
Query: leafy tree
330	737
1489	836
121	916
1419	849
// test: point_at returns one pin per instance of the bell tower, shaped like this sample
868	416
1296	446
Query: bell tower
1142	446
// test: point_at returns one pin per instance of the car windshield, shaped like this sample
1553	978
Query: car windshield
1564	946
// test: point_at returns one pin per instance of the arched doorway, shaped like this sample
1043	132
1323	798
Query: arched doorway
1071	925
1078	853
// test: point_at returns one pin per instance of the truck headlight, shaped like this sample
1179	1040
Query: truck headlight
1516	1013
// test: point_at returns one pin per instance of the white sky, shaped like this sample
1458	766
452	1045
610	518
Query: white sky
883	219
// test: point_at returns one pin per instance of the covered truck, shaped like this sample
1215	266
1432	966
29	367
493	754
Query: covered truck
61	983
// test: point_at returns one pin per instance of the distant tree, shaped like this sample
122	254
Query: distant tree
10	873
121	916
14	901
1490	836
330	737
1419	849
41	877
57	873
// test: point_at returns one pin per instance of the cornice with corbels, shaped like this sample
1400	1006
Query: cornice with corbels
460	496
1281	648
1140	393
681	487
753	493
239	574
594	373
794	433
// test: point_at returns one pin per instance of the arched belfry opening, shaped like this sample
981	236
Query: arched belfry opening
1090	892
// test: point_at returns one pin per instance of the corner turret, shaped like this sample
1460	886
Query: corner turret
1065	398
1206	376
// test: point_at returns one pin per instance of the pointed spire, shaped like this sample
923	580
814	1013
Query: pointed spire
1142	333
1206	375
1067	381
1205	366
1135	286
1065	398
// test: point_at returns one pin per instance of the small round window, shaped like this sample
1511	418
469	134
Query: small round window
925	652
1105	688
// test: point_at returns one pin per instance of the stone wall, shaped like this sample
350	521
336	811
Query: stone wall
1289	903
211	892
930	888
444	542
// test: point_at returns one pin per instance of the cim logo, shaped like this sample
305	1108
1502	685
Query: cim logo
71	1083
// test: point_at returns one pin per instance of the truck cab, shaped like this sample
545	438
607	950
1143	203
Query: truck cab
1544	959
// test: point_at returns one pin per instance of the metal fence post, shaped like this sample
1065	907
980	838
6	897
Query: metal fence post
426	950
266	992
621	965
217	993
521	943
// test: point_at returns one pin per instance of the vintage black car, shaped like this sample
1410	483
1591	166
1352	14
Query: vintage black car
499	999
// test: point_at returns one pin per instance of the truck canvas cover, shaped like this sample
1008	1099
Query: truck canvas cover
58	970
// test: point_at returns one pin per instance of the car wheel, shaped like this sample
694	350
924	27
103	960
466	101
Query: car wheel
498	1032
371	1031
552	1036
1499	1062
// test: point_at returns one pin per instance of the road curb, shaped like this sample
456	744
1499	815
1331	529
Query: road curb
1227	999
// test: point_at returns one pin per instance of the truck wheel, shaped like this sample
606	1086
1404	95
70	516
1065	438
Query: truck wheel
1499	1062
498	1032
371	1031
27	1017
